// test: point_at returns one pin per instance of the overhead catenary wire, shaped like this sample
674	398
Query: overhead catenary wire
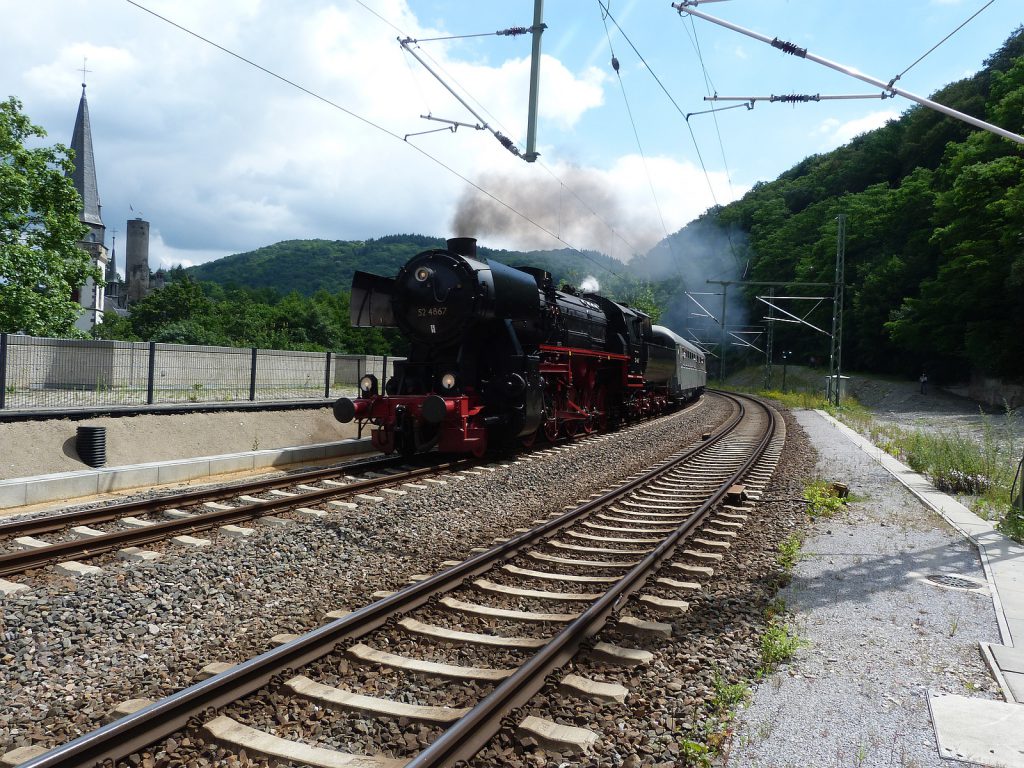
367	122
661	85
930	50
636	134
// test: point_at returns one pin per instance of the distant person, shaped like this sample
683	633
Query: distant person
924	383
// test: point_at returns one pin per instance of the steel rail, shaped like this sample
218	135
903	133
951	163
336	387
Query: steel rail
131	733
471	733
20	561
140	506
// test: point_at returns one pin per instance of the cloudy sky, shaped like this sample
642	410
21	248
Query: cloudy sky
222	157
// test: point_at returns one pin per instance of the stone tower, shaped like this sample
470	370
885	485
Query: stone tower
136	264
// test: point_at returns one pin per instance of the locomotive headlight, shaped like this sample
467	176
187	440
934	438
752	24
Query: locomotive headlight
448	381
423	274
368	384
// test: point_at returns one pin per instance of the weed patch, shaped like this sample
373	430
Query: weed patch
778	644
823	499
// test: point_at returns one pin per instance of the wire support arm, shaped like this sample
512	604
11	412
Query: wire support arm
795	98
850	71
407	44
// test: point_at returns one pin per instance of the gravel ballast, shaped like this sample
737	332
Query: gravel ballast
878	634
72	650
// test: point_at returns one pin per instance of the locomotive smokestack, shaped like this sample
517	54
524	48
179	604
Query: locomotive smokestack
464	246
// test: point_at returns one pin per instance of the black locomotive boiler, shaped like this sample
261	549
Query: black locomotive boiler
499	357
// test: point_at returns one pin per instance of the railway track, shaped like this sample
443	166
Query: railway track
204	510
497	624
129	526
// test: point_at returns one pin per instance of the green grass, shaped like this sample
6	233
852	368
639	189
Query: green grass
980	471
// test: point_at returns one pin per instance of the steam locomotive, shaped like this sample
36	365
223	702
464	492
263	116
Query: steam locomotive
499	357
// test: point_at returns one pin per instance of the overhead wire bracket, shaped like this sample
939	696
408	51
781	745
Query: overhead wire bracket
506	142
803	53
796	98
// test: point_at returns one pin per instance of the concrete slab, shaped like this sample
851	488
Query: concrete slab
593	690
979	731
634	626
339	697
222	465
85	532
449	671
470	638
565	739
236	531
183	471
487	611
135	522
21	755
138	555
191	541
29	542
71	484
122	478
11	588
22	491
1015	682
212	669
129	707
665	607
233	735
75	568
616	654
1009	659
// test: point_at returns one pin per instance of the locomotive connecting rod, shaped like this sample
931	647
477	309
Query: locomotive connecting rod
803	53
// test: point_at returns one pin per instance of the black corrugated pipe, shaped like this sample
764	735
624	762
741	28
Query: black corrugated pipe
91	444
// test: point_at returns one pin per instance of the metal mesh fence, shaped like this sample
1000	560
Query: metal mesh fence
42	373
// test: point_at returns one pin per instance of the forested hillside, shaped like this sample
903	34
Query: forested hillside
307	266
934	233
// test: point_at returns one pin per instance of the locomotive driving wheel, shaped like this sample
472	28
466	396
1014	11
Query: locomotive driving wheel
550	422
601	409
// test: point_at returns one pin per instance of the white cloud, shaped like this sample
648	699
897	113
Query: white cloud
834	133
163	256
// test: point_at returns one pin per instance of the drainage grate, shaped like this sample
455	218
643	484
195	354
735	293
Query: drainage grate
954	582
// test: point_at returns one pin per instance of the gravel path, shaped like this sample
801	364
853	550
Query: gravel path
878	637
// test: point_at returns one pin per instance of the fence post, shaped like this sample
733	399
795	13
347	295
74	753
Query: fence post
327	376
152	373
252	376
3	370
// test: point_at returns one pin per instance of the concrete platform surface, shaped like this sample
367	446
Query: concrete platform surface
977	730
26	491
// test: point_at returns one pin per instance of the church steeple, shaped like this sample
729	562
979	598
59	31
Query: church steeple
84	176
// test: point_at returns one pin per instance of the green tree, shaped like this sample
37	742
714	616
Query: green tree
40	263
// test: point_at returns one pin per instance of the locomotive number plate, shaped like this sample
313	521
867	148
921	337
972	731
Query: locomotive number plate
431	311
